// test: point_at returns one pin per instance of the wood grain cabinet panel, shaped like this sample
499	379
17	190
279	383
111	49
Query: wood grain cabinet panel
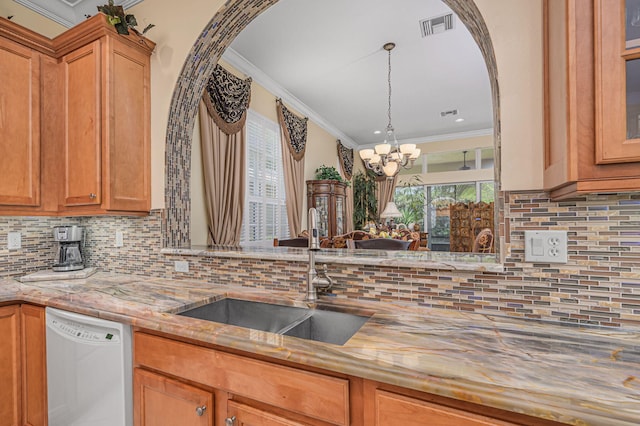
10	365
127	128
393	409
82	138
586	144
34	362
160	401
19	125
245	415
616	141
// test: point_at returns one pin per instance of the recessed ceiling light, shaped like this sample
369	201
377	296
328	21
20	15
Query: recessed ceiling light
459	120
377	132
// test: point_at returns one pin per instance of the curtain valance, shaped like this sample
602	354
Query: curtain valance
294	130
346	160
227	99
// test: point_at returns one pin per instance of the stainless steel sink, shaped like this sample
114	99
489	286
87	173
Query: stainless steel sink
248	314
327	326
312	324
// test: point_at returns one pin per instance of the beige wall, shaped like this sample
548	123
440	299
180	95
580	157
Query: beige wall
516	30
30	19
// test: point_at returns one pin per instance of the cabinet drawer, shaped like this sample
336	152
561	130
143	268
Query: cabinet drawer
311	394
391	409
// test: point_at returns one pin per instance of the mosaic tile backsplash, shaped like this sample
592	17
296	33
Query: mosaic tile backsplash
599	285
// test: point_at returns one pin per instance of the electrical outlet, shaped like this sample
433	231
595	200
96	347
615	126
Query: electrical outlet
545	246
14	240
119	239
181	266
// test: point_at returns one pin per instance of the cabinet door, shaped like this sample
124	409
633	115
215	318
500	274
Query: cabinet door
617	60
244	415
19	125
34	362
393	409
10	365
126	135
82	149
160	401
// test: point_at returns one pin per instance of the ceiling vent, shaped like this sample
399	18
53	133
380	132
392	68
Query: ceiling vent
450	113
437	24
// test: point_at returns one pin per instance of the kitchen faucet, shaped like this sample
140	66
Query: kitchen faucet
315	280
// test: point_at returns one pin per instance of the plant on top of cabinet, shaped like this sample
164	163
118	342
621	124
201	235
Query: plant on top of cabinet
121	20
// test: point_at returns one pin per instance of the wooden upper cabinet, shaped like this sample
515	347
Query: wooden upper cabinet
82	125
617	73
75	121
586	96
107	124
127	130
19	125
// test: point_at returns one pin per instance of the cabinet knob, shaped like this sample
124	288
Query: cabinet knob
200	410
92	196
230	421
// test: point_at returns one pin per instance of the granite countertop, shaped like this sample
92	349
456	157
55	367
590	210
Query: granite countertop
582	376
409	259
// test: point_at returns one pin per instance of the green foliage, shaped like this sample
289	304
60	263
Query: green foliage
365	203
329	173
121	20
410	199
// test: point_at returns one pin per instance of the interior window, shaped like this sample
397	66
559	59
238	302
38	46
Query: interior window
265	213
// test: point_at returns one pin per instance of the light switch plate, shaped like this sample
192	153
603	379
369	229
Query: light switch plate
14	240
545	246
119	239
181	266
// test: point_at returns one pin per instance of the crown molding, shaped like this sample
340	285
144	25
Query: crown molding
243	65
53	10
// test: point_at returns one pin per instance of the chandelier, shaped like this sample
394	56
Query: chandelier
389	157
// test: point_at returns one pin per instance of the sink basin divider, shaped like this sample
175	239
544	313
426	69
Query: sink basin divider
295	323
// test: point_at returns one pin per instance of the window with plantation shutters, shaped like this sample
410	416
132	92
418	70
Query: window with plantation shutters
265	213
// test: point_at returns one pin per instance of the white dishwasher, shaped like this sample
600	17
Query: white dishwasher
89	376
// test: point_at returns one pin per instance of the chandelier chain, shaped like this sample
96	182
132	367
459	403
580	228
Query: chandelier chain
389	84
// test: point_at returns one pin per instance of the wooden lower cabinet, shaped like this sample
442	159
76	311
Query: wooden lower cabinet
172	378
10	365
34	366
23	377
246	415
160	401
394	409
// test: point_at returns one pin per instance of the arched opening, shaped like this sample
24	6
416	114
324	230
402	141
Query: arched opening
204	55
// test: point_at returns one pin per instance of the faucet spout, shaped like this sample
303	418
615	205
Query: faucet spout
315	280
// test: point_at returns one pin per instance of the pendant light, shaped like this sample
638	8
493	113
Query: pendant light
389	157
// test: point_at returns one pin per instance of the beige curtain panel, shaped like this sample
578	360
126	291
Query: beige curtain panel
294	140
346	168
223	111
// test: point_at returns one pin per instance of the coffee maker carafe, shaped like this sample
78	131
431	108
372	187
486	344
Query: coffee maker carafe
68	252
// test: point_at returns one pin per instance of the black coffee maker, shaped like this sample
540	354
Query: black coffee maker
67	250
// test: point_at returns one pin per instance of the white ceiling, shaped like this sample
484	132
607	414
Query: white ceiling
70	12
328	54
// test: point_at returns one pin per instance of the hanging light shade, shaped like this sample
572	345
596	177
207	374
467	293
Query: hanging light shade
389	157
